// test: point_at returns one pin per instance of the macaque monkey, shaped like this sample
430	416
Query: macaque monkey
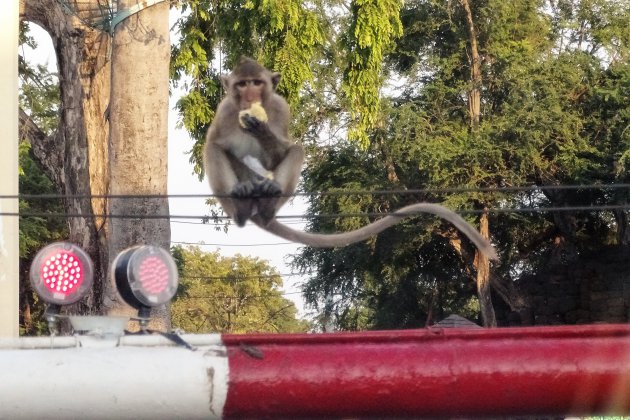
251	163
253	167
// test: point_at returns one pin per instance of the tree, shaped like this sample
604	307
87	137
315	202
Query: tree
282	35
39	97
76	156
84	91
230	295
480	95
536	126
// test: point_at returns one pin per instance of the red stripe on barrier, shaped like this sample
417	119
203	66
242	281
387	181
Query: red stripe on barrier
431	372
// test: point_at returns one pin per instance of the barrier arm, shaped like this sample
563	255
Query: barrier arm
559	371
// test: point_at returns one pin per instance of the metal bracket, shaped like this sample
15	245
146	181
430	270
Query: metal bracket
124	14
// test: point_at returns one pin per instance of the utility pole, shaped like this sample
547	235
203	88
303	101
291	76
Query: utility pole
9	230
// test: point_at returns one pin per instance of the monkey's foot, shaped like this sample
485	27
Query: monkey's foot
244	189
267	188
244	205
244	210
266	209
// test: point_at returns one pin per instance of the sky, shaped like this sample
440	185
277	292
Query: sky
247	241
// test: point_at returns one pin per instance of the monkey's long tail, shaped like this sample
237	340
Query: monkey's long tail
342	239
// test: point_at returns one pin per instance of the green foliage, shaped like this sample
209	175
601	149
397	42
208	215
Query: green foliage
230	295
39	97
35	233
283	35
395	78
375	25
609	104
555	89
379	283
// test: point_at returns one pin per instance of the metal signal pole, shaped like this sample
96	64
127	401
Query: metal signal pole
9	233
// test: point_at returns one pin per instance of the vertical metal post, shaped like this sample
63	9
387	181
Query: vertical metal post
9	233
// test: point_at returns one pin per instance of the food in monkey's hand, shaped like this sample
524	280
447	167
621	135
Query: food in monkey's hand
255	165
256	110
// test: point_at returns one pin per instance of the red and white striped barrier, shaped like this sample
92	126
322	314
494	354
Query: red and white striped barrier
431	372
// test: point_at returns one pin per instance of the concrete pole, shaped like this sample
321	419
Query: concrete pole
9	233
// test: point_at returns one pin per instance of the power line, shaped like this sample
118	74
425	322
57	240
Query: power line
218	224
220	297
585	208
528	188
248	277
221	245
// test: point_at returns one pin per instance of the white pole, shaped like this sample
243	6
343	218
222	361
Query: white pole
99	379
9	233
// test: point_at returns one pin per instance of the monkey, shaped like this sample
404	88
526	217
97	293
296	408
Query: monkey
251	164
253	167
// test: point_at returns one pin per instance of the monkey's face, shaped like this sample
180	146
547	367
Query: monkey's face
249	91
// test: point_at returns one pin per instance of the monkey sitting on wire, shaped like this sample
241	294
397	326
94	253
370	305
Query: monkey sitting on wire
253	167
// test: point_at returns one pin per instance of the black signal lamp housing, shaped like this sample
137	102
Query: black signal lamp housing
145	276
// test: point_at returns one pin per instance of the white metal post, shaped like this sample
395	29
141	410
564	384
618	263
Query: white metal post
9	249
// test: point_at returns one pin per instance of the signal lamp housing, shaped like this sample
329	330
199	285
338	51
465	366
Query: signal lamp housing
61	273
145	276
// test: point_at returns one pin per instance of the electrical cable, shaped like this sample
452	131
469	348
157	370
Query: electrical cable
221	245
585	208
248	277
447	190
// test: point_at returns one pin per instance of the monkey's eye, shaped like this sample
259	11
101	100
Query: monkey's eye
257	82
241	83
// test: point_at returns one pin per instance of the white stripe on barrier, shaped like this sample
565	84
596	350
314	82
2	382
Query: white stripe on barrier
127	382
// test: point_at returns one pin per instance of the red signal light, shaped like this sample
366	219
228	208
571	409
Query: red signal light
153	274
145	276
61	273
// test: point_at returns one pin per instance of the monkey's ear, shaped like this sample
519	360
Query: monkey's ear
225	81
275	79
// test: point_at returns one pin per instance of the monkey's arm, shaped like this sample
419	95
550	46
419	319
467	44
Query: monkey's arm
343	239
274	146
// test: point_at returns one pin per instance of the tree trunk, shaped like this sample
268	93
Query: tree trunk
75	156
79	156
138	141
623	227
483	278
482	264
474	95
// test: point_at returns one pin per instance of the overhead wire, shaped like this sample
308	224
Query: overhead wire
444	190
239	245
217	297
237	277
205	219
587	208
220	224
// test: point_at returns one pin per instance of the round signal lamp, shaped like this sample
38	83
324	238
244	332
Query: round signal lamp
61	273
145	276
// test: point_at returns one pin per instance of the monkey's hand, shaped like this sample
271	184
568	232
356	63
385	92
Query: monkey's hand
255	110
256	127
267	188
